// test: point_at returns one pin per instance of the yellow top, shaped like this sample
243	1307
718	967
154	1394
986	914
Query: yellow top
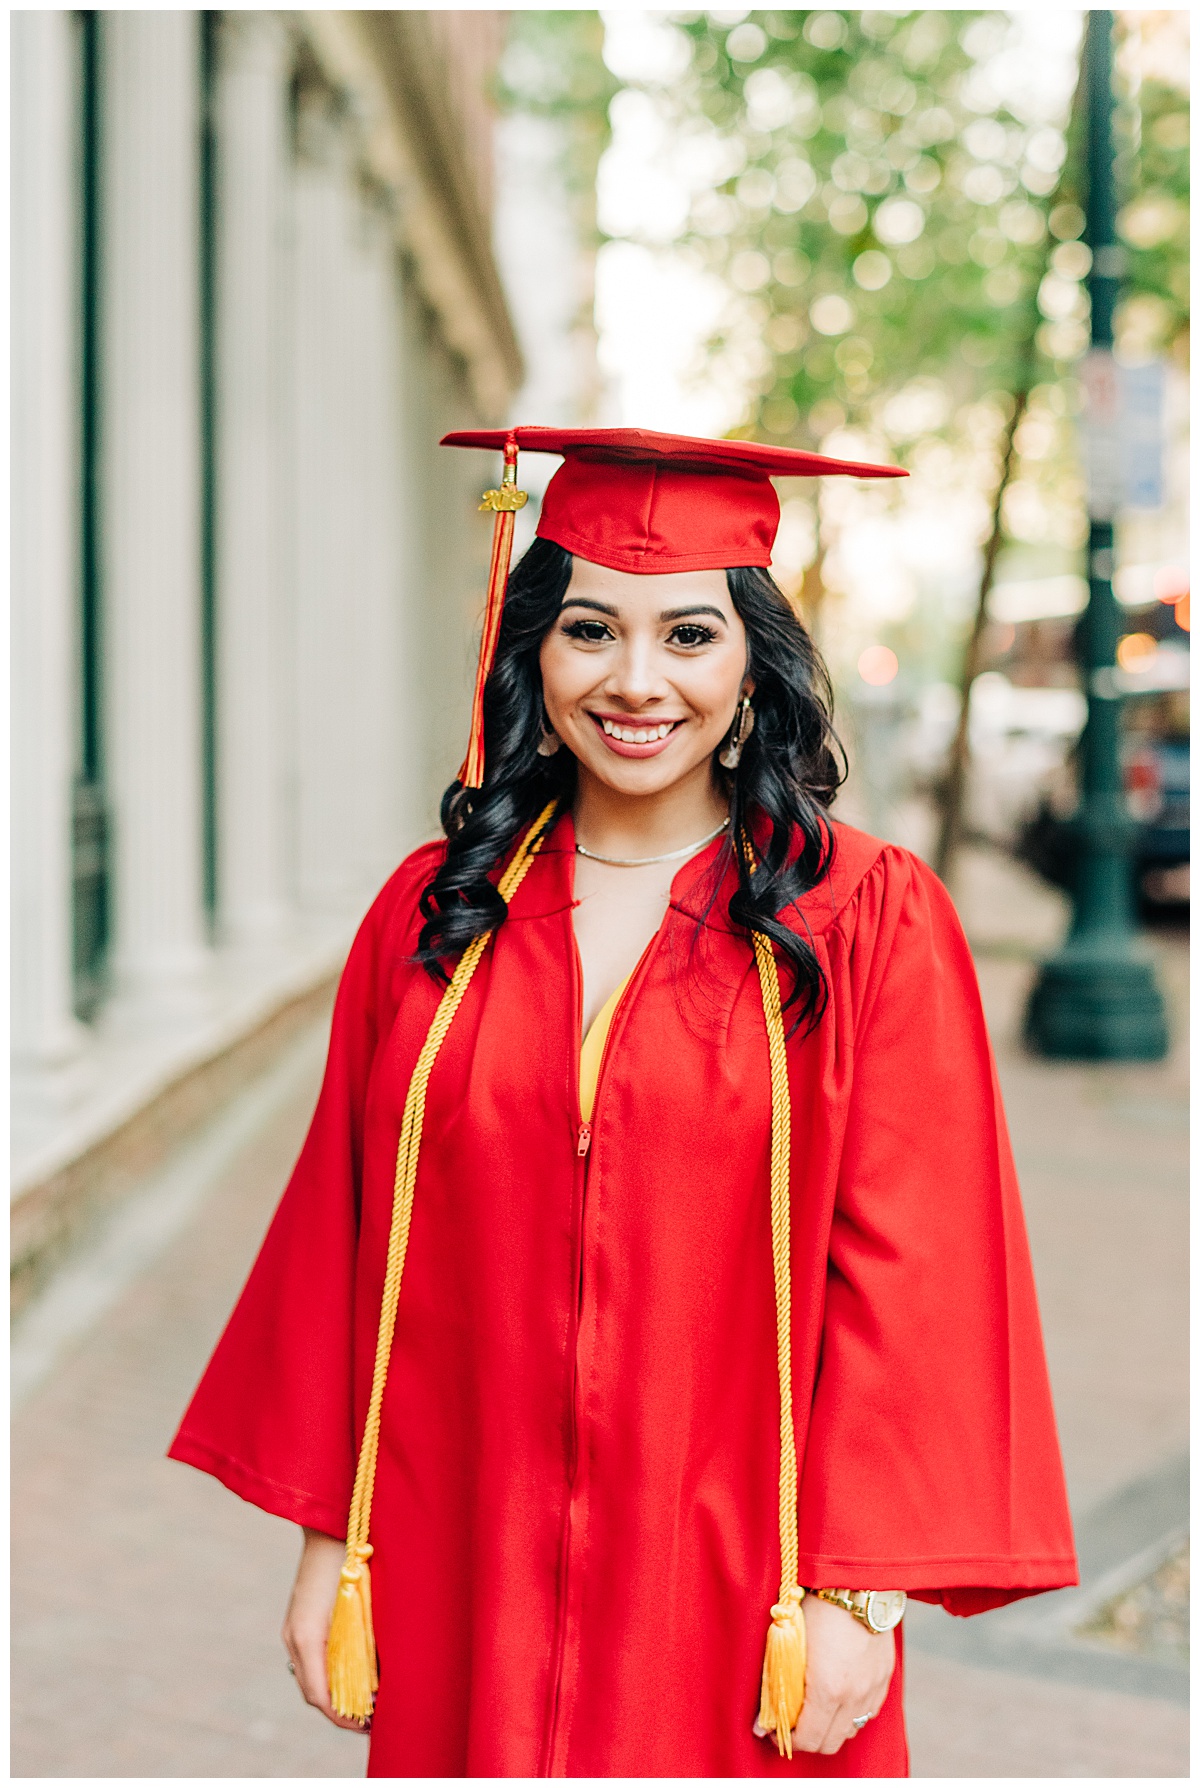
592	1053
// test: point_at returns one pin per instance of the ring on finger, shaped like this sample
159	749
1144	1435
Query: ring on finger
861	1721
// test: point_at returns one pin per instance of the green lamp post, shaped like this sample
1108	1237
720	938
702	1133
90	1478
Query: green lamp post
1097	999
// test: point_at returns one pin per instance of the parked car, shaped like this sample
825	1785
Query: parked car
1156	766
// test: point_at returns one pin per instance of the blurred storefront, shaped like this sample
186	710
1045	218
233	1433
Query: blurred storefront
253	282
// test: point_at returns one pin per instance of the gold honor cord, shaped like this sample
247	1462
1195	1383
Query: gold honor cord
351	1654
786	1653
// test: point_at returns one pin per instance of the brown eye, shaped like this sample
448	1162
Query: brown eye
690	633
594	632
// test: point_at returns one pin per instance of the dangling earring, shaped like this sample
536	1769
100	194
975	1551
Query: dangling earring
549	742
743	726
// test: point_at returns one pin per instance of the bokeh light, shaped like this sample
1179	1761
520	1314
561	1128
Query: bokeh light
1137	651
878	666
1171	583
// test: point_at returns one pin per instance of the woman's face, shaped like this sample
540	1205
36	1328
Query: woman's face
642	675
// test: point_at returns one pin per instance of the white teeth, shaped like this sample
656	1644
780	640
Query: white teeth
630	735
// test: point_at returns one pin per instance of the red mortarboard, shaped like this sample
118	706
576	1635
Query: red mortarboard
635	500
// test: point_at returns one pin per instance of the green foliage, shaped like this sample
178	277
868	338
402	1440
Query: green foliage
888	221
893	224
1153	128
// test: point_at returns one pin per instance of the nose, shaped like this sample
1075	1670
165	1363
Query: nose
637	678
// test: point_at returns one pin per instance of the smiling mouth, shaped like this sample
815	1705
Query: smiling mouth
626	734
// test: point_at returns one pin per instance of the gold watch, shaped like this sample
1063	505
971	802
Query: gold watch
880	1610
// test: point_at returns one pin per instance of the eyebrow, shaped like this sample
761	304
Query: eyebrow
668	614
601	608
695	608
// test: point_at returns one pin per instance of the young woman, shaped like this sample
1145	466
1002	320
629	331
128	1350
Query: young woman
655	1256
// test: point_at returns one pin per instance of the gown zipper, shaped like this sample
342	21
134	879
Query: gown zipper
583	1142
584	1130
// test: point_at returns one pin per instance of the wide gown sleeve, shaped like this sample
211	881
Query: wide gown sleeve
932	1461
273	1416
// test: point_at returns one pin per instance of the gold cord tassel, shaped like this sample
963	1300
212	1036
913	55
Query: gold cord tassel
350	1653
784	1663
353	1678
783	1670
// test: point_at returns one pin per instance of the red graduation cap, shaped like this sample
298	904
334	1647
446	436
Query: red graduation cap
636	500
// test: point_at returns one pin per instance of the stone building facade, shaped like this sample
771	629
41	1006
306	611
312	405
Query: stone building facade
253	281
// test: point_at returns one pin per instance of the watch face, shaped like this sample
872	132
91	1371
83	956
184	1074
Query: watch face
885	1609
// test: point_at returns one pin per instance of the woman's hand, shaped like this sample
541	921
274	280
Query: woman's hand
306	1628
849	1669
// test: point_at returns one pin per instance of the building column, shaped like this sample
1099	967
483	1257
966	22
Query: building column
388	828
326	546
45	527
152	493
252	154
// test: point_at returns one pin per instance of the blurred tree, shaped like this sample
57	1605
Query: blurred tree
887	202
1152	127
884	207
1151	172
897	218
886	214
901	219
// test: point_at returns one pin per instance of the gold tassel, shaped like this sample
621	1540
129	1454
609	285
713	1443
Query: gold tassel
350	1655
783	1670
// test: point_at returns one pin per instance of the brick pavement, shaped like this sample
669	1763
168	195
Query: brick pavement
147	1600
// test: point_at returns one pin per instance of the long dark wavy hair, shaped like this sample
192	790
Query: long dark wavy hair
791	768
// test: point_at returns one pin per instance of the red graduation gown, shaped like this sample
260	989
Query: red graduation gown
575	1520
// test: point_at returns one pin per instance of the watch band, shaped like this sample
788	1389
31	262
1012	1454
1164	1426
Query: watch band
880	1611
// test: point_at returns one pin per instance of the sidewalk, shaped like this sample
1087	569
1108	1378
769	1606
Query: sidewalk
148	1600
1102	1152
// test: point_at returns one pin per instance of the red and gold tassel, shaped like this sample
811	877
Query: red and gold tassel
504	502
